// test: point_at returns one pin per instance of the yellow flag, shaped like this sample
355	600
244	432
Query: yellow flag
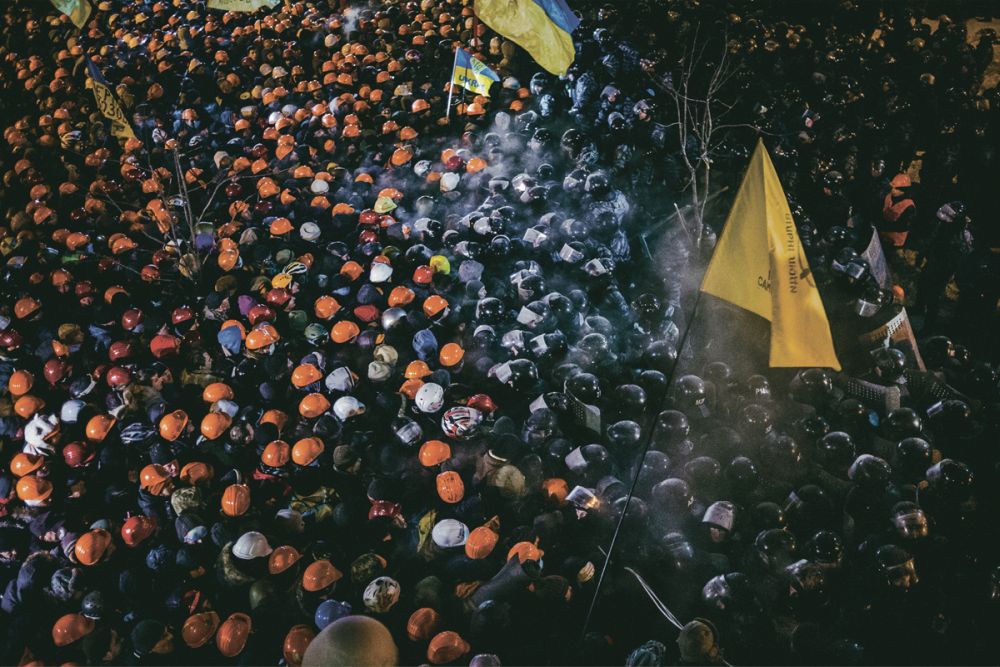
759	265
108	105
78	11
241	5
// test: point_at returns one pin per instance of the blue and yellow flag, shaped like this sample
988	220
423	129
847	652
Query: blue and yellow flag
472	74
543	28
78	11
108	104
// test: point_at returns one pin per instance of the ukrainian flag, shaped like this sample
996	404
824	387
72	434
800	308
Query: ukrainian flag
543	28
471	74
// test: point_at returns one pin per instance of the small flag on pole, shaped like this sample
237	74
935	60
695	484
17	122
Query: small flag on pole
760	265
472	74
108	104
78	11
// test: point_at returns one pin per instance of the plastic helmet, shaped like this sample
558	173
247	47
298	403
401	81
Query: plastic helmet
250	545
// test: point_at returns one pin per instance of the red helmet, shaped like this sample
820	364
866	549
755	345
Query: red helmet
78	454
118	377
132	318
136	529
181	315
122	349
55	370
261	313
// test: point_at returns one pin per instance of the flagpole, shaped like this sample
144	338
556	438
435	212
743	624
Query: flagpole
638	468
451	83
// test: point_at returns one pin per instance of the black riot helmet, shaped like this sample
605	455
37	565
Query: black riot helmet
585	387
890	364
870	473
901	423
913	456
835	451
813	386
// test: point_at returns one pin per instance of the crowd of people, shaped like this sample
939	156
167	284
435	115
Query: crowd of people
307	362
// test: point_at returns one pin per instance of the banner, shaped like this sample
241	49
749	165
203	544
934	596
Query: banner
78	11
241	5
876	260
759	265
472	74
108	104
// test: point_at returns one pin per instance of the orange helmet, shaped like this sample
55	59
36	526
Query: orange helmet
325	307
313	405
400	296
71	628
236	500
305	375
28	405
217	391
419	105
172	425
261	337
93	546
199	629
276	417
344	332
417	370
307	450
451	354
481	542
450	487
25	464
26	307
232	636
446	647
319	575
434	452
525	551
423	623
282	558
296	642
196	471
34	490
215	424
276	454
154	479
20	383
99	426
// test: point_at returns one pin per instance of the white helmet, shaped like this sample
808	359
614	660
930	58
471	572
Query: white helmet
449	181
421	168
721	513
379	371
449	533
430	397
341	379
381	594
37	431
310	231
347	406
251	545
319	187
381	272
274	117
70	412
